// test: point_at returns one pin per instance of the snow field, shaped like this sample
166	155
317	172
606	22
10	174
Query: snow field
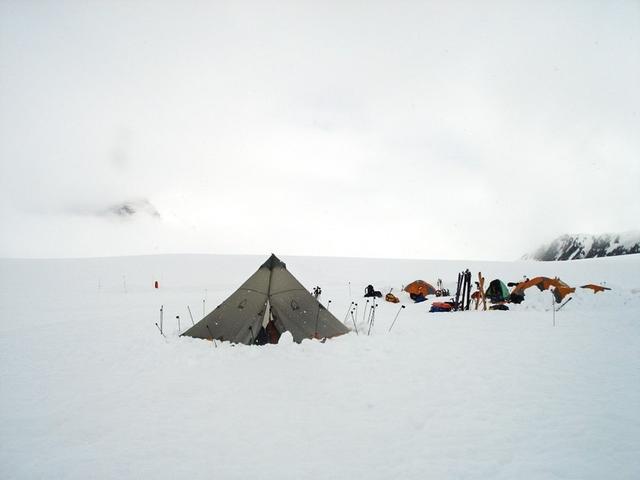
89	388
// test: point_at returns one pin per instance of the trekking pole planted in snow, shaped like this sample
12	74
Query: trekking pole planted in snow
160	330
394	320
315	333
568	300
189	308
213	339
373	315
204	301
161	316
356	310
354	322
178	318
369	316
365	309
328	305
373	318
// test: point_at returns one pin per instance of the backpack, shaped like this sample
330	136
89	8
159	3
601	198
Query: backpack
390	297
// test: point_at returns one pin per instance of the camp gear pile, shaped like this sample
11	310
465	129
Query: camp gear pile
272	301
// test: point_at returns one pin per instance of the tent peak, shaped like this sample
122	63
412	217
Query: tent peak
273	262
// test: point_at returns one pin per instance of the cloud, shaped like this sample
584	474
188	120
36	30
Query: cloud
125	210
246	123
132	208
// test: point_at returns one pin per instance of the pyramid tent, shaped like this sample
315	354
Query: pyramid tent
271	297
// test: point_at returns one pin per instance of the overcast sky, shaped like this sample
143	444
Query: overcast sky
419	129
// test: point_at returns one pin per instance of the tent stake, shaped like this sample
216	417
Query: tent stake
212	339
189	308
394	320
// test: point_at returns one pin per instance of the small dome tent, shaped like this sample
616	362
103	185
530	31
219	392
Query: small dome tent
497	291
420	287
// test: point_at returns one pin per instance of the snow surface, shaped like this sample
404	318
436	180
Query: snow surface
89	388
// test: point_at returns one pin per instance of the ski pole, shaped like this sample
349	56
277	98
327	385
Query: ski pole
178	318
373	314
161	315
369	317
365	309
160	330
374	307
328	305
315	333
568	300
189	308
394	320
354	322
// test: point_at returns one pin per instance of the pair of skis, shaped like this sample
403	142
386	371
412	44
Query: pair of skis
481	293
463	291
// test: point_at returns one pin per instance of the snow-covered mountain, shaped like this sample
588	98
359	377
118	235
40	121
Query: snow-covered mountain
577	246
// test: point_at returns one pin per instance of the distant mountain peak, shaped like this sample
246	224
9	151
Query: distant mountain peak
578	246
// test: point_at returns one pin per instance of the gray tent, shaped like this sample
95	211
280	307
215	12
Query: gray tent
269	303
